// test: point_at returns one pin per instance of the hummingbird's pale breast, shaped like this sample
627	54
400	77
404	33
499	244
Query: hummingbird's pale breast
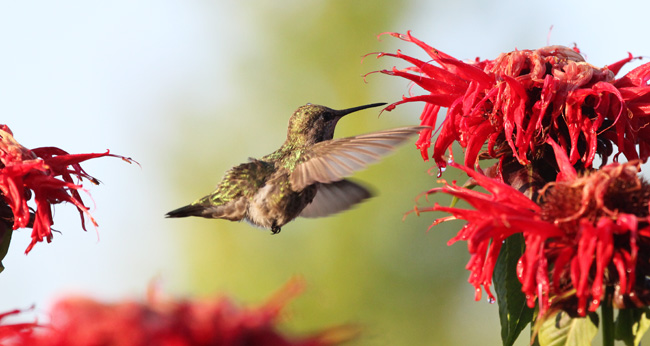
277	203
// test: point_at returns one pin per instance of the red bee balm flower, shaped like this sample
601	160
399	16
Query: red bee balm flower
518	100
216	321
13	332
585	232
47	174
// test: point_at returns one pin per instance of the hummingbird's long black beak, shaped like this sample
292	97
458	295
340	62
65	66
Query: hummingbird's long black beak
343	112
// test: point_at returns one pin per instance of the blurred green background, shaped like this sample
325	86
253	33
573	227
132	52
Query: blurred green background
365	266
191	88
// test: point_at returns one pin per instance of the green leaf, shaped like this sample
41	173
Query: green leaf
632	324
559	329
5	239
513	311
641	327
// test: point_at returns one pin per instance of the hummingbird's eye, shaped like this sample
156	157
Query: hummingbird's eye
328	116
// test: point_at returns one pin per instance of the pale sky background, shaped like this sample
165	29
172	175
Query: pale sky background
87	76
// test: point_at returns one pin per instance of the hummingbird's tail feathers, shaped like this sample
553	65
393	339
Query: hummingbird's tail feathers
188	210
233	210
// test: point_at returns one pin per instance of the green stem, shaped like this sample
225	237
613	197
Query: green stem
5	238
608	317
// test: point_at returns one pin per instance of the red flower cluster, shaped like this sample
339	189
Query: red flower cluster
85	322
584	233
518	100
14	332
544	114
46	173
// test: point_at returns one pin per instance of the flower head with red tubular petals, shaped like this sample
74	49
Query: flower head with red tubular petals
78	321
585	233
46	174
517	101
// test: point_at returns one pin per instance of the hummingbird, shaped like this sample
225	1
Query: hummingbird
305	177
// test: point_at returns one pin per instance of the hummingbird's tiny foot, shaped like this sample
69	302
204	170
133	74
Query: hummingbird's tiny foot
275	229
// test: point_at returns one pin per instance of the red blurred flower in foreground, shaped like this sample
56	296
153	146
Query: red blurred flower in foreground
16	331
518	100
82	321
46	173
586	232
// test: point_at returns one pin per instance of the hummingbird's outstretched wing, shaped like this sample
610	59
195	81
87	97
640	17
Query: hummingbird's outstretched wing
335	197
333	160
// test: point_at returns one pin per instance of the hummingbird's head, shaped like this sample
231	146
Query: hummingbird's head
313	123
